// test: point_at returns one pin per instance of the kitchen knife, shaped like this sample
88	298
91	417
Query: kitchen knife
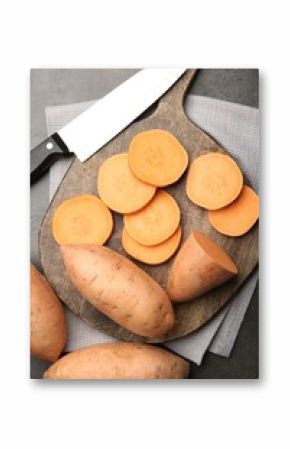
91	130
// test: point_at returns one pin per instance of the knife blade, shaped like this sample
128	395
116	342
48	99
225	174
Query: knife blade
95	127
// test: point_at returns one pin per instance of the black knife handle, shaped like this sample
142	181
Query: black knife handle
45	155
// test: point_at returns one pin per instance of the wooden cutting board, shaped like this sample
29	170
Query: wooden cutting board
82	179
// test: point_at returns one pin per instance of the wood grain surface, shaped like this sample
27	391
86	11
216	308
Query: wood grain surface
82	178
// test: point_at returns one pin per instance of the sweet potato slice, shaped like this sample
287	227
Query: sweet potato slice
157	157
214	180
152	255
238	217
120	190
199	266
156	222
119	361
82	219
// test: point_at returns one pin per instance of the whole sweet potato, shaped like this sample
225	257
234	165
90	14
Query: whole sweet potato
119	361
47	321
119	289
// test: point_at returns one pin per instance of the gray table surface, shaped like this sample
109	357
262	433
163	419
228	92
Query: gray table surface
64	86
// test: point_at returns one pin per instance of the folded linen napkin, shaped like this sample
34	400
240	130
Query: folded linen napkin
236	128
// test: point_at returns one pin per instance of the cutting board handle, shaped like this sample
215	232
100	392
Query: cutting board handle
176	95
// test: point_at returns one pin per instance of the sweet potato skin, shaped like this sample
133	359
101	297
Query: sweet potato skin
47	320
119	289
119	361
194	273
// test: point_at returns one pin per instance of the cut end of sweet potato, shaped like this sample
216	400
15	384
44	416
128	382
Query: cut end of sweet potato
215	252
119	188
157	157
199	266
156	222
239	217
151	255
81	220
214	180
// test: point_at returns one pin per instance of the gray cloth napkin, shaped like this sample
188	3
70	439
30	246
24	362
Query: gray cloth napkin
236	128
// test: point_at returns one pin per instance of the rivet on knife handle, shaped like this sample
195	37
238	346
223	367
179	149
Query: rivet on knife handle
45	154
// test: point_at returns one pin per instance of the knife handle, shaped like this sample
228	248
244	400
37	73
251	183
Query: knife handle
44	155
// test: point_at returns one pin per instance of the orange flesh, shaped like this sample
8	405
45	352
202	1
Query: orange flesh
152	255
82	219
214	181
156	222
238	217
215	252
157	157
120	190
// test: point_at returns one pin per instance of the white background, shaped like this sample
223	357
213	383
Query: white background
220	414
